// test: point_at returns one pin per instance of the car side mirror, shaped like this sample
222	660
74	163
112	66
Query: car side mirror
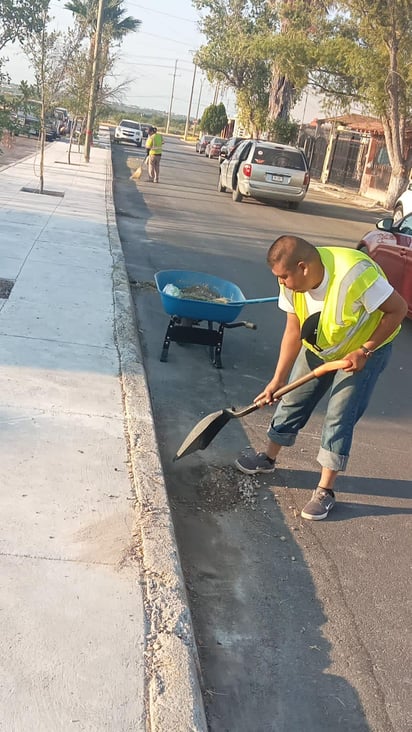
385	224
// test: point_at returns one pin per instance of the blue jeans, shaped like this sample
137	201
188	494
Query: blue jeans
349	396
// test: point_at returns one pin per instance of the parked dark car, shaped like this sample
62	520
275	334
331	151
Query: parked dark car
213	147
390	245
265	170
228	147
202	142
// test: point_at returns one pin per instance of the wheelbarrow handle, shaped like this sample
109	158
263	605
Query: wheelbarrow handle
251	302
239	324
319	371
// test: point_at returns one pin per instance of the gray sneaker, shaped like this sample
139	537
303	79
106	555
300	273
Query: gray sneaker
256	463
319	505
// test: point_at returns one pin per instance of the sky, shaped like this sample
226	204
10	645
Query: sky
166	40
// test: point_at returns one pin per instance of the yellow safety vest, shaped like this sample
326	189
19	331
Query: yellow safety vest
155	143
340	329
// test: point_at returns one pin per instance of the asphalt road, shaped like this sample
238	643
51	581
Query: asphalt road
299	626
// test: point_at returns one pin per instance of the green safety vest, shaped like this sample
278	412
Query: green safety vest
340	329
155	144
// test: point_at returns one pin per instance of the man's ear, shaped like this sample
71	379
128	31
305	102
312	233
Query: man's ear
303	267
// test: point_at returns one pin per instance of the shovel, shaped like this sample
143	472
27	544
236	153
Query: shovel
203	433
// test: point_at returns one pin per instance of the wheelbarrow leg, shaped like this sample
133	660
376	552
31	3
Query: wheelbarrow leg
217	349
168	338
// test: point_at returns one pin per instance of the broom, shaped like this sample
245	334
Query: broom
137	174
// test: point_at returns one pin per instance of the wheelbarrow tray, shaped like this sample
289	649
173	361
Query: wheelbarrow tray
199	309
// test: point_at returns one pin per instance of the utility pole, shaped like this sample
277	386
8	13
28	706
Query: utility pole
91	112
216	96
190	104
169	116
198	106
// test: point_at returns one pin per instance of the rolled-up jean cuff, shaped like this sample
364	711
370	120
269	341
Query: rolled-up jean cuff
331	460
285	439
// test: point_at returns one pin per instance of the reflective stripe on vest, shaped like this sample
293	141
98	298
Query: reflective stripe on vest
340	329
156	141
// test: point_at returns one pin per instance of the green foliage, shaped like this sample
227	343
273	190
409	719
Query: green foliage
238	33
19	18
214	119
284	131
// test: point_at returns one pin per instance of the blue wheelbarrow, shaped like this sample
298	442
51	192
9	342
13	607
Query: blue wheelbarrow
187	313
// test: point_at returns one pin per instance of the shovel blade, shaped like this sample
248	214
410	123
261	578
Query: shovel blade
203	433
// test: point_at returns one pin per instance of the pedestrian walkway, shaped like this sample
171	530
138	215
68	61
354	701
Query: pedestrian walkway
95	630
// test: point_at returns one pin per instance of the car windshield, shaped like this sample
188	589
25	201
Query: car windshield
279	158
218	140
131	125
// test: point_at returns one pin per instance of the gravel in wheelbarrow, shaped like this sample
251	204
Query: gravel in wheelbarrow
191	297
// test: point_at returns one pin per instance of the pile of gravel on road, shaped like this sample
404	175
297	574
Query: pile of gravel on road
224	488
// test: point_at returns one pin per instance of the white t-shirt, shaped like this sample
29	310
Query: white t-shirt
371	299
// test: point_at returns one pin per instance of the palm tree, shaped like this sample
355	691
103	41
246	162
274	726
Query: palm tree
114	21
116	25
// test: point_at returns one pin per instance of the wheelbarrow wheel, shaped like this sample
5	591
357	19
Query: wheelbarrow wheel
236	195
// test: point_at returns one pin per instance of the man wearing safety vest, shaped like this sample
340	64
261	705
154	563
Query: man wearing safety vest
154	144
357	314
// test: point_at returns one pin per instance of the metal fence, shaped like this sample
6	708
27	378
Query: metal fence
347	160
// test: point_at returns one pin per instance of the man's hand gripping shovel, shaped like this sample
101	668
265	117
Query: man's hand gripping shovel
206	430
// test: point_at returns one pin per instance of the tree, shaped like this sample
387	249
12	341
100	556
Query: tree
302	15
214	119
236	54
18	18
114	26
361	54
49	53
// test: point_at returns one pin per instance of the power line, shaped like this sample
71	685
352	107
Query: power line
165	38
159	12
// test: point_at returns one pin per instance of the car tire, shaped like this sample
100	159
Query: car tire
221	188
398	213
293	205
236	194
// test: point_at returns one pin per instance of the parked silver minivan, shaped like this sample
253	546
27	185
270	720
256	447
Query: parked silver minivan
265	170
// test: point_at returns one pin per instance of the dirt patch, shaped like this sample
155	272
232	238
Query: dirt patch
6	287
16	148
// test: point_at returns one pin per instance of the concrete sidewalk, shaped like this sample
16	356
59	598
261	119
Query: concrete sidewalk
95	629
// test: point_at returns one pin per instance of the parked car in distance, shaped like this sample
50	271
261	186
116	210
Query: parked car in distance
403	205
265	170
129	131
212	149
228	147
202	142
390	245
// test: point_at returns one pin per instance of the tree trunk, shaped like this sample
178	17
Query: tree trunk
281	96
397	185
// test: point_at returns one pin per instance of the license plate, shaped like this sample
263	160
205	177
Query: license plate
278	178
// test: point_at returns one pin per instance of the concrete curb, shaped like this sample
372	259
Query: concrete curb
173	698
345	194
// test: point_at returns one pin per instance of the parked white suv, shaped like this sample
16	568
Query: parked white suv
129	131
403	205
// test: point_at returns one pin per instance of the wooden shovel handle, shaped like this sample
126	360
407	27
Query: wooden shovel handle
319	371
